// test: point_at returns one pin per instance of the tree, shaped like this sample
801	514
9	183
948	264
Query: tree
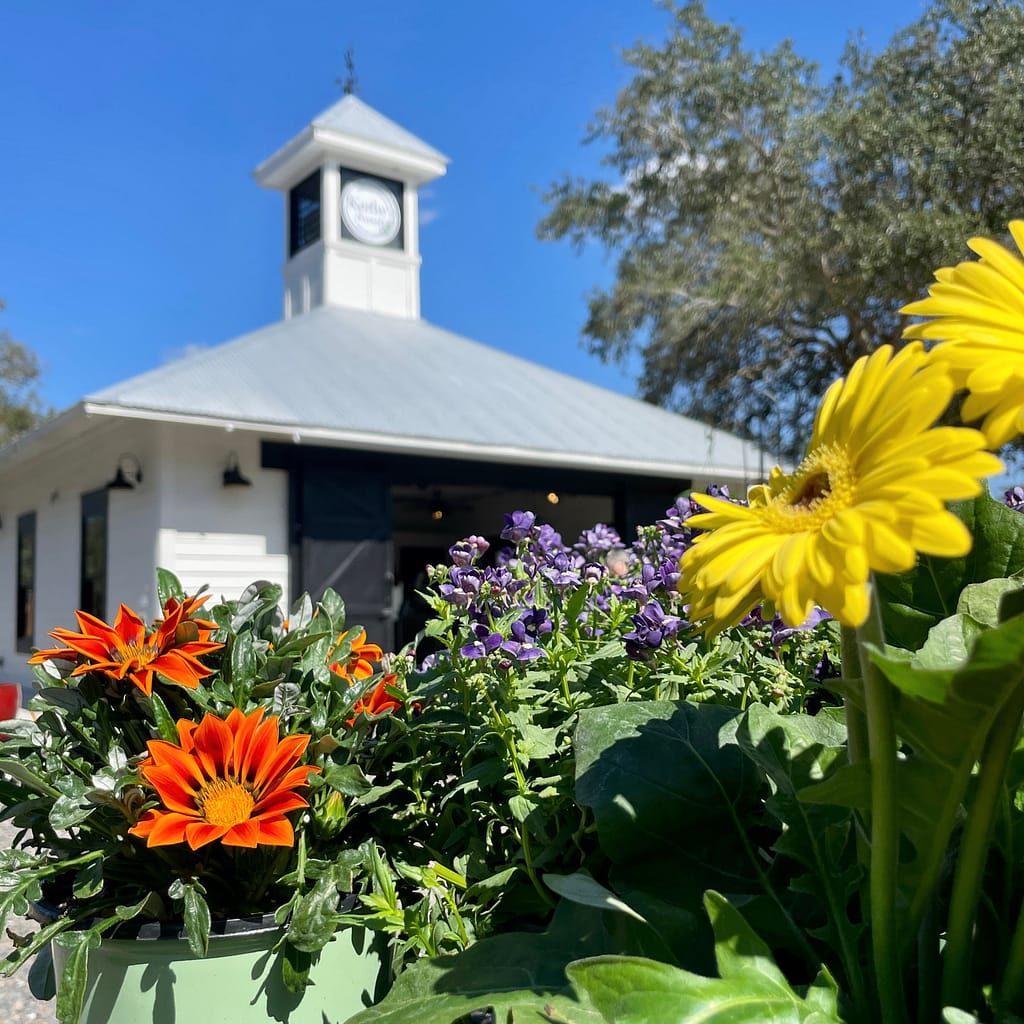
20	405
768	225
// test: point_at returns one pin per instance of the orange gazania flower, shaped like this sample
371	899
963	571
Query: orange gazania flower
377	702
190	627
229	779
359	664
124	651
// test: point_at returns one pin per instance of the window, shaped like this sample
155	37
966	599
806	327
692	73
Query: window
26	598
304	214
92	594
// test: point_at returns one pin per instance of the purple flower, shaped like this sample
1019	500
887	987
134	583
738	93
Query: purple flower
465	552
463	587
640	590
781	632
521	646
485	642
825	669
600	539
535	621
1014	498
547	538
563	569
593	573
518	526
651	627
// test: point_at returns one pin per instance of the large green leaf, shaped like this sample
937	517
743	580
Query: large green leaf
913	602
516	974
662	776
795	752
949	694
750	990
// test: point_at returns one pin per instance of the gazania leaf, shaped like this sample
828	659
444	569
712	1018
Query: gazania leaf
164	719
167	586
71	990
197	920
18	771
301	614
334	608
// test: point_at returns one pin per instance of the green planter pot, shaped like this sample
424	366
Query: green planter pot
159	980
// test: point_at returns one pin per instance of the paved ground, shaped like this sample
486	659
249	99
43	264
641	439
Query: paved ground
17	1004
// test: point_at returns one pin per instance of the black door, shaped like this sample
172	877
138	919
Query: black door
344	542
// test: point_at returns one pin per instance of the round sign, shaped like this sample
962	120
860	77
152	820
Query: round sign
370	211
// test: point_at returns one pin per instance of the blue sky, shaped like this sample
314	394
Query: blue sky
131	229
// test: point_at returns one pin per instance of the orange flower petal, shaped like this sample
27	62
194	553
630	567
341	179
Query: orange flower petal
277	832
245	833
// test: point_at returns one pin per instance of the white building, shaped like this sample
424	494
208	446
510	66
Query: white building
367	438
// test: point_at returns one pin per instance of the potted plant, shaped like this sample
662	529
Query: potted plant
178	798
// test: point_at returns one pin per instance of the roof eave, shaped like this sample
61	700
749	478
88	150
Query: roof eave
40	438
310	146
399	444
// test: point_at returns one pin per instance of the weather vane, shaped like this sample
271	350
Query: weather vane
349	85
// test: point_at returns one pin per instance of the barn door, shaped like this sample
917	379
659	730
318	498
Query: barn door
345	531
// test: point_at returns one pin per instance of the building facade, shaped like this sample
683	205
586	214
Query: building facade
347	445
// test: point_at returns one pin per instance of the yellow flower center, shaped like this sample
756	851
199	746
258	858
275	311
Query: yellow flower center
822	486
225	802
139	652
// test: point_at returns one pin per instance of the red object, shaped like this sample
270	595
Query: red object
10	701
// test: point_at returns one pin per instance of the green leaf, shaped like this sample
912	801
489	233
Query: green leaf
334	608
197	920
516	973
165	724
25	775
315	917
72	807
73	979
301	614
797	752
913	602
295	965
750	990
945	709
88	880
243	657
581	888
522	806
167	586
662	775
348	779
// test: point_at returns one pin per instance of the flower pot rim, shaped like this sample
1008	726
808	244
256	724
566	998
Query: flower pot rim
148	930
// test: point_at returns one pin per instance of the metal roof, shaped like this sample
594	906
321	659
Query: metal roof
351	116
371	381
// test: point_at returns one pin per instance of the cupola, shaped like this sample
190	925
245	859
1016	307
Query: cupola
351	187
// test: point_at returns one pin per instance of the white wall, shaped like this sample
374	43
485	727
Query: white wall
225	537
180	517
51	485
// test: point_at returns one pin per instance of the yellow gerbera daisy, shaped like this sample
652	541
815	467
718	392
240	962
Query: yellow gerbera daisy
869	495
979	307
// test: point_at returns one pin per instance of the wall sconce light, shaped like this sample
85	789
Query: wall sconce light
126	480
233	475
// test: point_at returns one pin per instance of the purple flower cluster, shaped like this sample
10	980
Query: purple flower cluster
505	605
651	626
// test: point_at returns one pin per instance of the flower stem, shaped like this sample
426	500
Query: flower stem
881	736
856	721
970	867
